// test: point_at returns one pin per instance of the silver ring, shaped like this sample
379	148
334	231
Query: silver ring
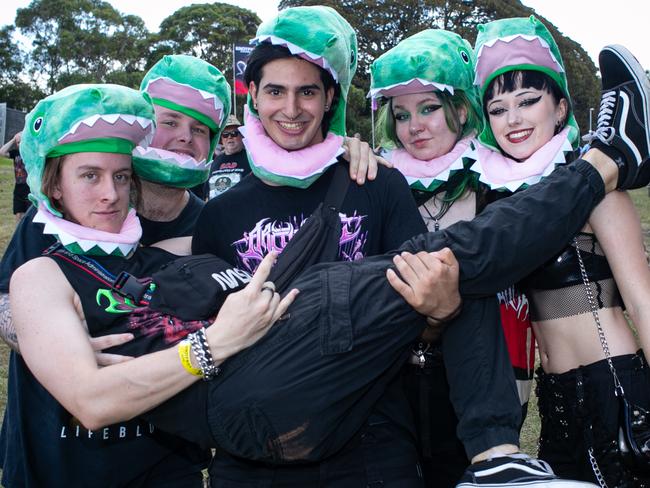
269	285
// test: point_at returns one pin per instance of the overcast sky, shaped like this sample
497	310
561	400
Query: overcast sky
592	23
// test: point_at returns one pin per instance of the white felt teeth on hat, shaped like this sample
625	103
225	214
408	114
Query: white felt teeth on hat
378	92
144	122
154	89
508	39
210	96
144	126
86	245
443	176
514	185
111	119
147	139
90	121
294	49
177	159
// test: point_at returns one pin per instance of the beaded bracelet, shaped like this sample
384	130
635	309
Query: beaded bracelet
201	349
186	361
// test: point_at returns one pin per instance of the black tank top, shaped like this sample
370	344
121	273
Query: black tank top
108	312
47	446
556	289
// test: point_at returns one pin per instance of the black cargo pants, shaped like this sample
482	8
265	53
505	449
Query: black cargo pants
307	387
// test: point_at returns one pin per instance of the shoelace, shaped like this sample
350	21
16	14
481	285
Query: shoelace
604	131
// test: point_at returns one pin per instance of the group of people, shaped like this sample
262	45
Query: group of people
405	357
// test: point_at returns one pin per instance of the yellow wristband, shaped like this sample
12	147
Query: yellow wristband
184	352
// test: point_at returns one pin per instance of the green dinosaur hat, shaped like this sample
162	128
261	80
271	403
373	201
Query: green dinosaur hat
321	36
519	44
195	88
83	118
433	59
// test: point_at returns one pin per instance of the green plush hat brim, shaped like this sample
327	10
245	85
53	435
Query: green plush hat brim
117	146
205	120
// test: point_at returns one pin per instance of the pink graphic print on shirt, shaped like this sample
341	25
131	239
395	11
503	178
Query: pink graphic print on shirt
273	235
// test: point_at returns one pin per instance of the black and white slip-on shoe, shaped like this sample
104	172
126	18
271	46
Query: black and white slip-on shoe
515	470
623	124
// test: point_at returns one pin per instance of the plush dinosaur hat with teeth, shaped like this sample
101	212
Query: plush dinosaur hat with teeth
83	118
321	36
431	60
519	44
197	89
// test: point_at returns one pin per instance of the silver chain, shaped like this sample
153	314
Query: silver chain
618	388
596	469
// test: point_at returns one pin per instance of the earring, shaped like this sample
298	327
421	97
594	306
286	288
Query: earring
255	105
327	108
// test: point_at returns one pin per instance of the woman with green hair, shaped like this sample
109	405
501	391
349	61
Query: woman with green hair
589	355
427	129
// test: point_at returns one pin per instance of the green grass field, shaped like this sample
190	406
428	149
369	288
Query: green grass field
531	428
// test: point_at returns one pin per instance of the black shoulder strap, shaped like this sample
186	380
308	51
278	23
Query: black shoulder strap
125	284
338	187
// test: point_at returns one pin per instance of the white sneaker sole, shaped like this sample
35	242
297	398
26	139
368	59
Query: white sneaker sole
551	483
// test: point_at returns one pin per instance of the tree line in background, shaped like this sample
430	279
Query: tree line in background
77	41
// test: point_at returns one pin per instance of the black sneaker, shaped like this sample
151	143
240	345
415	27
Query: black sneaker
622	130
515	470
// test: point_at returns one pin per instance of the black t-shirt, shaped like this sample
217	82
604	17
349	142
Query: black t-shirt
226	171
201	191
252	219
44	445
181	226
20	173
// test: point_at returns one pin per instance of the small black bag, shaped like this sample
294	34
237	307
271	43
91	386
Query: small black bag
195	287
188	287
634	436
317	240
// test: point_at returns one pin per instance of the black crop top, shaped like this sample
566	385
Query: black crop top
556	289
